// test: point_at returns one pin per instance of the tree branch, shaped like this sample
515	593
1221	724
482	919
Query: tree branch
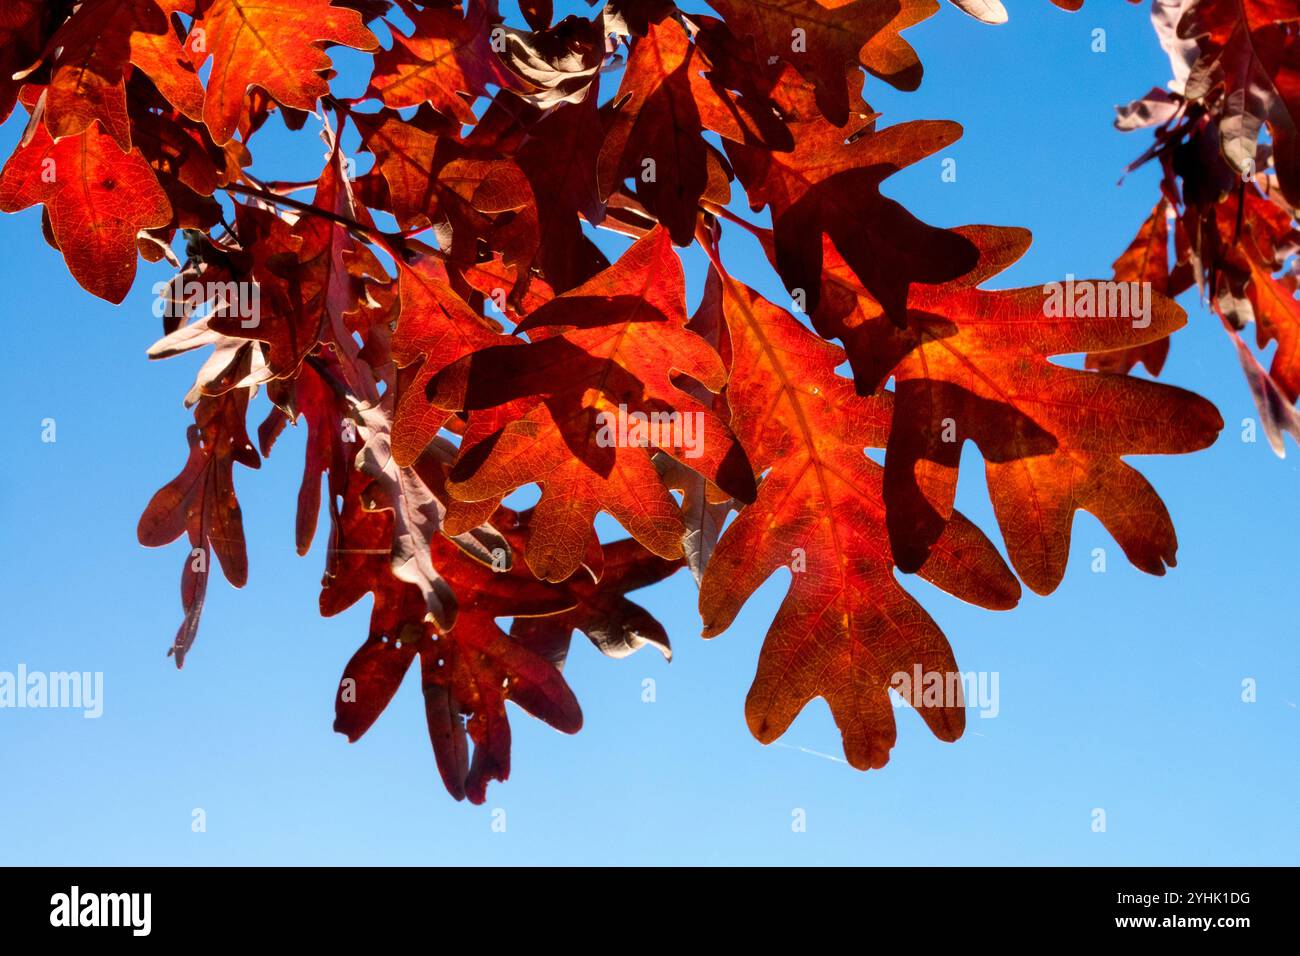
394	243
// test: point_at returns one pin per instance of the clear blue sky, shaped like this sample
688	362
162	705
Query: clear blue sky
1121	691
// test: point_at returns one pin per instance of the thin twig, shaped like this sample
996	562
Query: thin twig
394	243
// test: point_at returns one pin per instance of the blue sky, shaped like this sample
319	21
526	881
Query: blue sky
1120	691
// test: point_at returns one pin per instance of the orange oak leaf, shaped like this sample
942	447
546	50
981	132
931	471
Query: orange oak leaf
1277	317
435	328
448	61
973	364
1145	260
490	201
654	128
602	354
1269	238
846	629
93	50
474	195
408	155
275	44
831	186
824	39
97	198
888	56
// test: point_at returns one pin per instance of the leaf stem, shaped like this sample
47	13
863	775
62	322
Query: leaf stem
723	213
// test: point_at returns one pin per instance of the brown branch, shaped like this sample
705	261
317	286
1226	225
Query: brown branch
394	243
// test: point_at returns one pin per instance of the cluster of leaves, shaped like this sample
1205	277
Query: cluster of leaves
437	377
1232	199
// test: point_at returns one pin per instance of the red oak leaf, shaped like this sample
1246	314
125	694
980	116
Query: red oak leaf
471	670
1145	260
473	194
973	364
24	25
201	502
332	442
275	44
1247	49
97	198
831	186
309	276
448	61
187	165
409	154
559	158
616	626
653	132
825	39
469	673
601	350
94	47
846	628
1270	237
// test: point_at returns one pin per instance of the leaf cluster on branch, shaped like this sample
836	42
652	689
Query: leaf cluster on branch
480	341
1228	198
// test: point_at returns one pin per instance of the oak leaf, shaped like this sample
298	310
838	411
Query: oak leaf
973	364
845	629
824	39
1145	260
1247	50
97	198
655	125
829	185
448	61
200	502
94	48
274	44
607	345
